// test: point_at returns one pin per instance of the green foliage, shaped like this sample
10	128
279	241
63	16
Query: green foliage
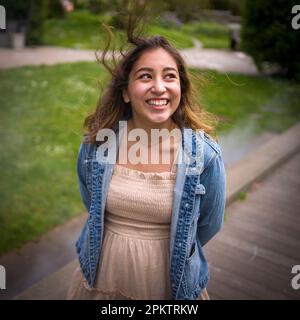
267	34
187	10
101	6
38	14
211	35
242	196
81	4
55	9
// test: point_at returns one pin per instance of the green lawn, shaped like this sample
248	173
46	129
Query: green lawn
41	115
211	34
82	30
274	104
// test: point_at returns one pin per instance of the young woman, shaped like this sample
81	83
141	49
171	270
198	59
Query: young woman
148	220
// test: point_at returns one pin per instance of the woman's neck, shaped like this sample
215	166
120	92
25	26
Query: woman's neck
135	124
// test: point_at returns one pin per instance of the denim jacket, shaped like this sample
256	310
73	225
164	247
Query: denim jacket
197	210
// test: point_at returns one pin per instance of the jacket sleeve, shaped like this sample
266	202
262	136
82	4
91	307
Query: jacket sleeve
212	204
81	174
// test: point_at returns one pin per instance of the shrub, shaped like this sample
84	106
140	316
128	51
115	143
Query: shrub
268	36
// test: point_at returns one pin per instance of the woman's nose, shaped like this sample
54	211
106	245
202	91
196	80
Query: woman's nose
158	86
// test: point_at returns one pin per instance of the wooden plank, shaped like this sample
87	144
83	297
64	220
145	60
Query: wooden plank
262	240
273	257
223	291
240	283
289	242
282	226
255	270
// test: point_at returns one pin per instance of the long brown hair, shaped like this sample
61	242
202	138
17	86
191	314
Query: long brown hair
111	107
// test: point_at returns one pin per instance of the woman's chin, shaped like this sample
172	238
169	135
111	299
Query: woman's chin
159	119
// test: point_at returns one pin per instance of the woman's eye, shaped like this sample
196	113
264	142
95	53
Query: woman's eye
145	76
170	75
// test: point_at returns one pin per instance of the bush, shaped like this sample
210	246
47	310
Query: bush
268	36
55	9
38	14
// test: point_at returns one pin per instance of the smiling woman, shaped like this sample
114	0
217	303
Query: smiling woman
148	222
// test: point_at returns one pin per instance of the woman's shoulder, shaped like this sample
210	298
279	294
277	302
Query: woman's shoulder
211	143
86	146
212	149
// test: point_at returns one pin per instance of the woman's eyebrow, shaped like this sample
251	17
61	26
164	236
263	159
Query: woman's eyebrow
151	70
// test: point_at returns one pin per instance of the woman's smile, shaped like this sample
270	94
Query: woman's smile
158	104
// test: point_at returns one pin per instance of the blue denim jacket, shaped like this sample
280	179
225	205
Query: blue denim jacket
197	211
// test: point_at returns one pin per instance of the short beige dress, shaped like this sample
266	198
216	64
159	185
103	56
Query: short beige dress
135	255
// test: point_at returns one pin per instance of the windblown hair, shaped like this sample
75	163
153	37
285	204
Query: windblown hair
111	107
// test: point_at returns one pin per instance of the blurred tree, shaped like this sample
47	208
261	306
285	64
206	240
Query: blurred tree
118	9
234	6
55	9
37	14
187	10
220	4
81	4
268	36
101	6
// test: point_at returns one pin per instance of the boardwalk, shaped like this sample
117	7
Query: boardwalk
253	256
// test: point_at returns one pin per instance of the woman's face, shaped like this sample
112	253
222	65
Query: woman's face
153	88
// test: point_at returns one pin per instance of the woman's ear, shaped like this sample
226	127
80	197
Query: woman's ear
125	96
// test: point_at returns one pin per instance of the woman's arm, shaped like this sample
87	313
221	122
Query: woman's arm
81	173
212	204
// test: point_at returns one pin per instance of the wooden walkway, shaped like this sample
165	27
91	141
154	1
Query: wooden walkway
253	255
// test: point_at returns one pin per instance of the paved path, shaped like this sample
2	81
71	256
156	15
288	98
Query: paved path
220	60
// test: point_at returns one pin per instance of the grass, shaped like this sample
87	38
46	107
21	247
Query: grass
78	30
273	104
82	30
211	34
41	115
242	196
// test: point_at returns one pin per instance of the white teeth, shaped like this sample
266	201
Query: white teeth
161	102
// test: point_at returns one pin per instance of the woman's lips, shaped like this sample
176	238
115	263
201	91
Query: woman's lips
158	106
